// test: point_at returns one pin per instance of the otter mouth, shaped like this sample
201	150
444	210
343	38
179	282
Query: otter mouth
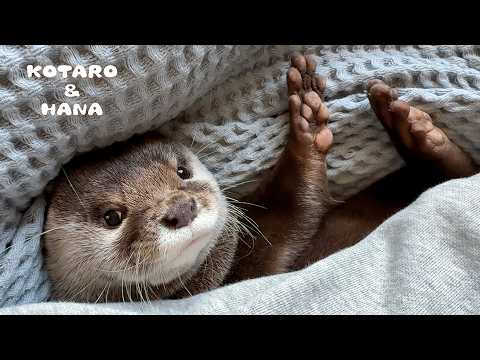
193	241
177	252
195	245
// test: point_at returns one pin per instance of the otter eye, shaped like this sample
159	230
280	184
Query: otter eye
113	217
183	173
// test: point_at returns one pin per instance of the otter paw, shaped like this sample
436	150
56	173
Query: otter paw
414	134
308	113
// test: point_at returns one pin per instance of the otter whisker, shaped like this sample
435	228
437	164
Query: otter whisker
255	226
241	215
99	296
207	155
46	232
144	284
82	290
193	141
204	147
141	283
69	290
165	251
123	298
114	271
251	248
236	221
204	267
237	184
234	226
123	275
137	278
149	289
71	185
121	270
164	281
183	285
129	292
246	203
4	251
108	290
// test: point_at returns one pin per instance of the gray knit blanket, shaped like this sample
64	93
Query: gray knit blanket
228	101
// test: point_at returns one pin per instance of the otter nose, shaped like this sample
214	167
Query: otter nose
180	214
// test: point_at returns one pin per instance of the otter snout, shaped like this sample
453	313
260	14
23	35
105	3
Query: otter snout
181	213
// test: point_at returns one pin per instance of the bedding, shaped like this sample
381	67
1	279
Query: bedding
229	102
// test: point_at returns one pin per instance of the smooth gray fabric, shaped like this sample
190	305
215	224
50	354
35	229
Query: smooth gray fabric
423	260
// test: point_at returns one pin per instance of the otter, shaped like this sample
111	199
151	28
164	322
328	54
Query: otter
144	219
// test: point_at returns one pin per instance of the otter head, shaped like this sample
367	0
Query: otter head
137	220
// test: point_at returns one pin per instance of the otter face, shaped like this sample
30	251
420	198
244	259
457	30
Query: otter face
146	213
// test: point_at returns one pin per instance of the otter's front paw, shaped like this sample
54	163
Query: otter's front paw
308	114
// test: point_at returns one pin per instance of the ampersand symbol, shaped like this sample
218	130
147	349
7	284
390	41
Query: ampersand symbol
70	91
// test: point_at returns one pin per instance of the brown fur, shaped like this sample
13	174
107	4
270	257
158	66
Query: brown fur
139	178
